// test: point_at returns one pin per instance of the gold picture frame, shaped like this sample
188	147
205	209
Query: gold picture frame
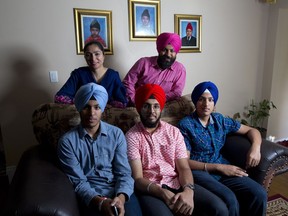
144	19
86	21
189	27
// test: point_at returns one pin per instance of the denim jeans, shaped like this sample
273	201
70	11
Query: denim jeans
242	195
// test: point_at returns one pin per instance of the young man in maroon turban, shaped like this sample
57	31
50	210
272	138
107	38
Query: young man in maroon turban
159	162
189	39
162	70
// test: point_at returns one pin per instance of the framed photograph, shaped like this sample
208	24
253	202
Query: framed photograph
189	28
93	25
144	19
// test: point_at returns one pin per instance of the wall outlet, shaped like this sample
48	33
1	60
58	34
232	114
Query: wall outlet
53	76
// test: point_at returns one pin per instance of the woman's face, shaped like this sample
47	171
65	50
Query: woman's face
94	57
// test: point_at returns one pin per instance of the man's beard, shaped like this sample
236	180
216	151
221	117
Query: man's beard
163	63
149	124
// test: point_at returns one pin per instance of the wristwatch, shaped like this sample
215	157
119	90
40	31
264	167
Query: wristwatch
189	185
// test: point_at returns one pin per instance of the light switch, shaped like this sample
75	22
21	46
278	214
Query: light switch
53	76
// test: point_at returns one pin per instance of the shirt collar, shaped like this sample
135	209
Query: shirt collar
103	130
211	121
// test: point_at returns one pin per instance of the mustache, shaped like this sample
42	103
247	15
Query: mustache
165	57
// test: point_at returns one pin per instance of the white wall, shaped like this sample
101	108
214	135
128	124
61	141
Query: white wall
39	36
277	53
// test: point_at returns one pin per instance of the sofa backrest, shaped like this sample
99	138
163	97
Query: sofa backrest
51	120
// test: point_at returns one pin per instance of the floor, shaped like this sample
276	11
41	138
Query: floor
279	185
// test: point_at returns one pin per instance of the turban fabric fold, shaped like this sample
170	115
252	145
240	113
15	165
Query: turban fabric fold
189	26
95	24
201	87
143	93
168	38
85	92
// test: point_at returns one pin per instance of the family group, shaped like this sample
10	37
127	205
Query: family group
155	168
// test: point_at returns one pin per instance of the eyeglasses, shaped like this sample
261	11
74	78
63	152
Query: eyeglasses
155	107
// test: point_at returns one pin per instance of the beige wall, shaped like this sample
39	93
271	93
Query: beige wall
39	36
277	53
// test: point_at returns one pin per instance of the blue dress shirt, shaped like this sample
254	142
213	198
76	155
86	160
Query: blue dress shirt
96	167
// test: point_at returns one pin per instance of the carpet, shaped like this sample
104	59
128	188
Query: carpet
277	206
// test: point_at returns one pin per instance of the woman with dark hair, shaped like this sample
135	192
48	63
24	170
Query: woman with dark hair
95	72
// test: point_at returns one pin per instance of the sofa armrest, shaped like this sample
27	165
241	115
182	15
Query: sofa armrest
39	187
274	158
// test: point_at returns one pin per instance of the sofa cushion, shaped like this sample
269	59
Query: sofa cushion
50	121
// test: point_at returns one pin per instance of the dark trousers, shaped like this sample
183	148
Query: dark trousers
205	204
242	195
132	208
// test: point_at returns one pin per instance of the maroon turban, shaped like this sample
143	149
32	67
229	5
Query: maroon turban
189	26
168	38
143	93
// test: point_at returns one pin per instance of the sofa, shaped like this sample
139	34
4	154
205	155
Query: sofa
39	187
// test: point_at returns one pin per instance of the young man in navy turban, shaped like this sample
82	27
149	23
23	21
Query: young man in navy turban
162	70
205	133
94	157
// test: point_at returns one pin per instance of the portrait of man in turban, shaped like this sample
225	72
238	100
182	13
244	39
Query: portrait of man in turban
95	30
189	39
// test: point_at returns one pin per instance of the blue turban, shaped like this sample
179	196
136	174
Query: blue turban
85	92
201	87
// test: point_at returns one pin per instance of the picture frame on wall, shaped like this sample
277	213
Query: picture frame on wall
93	25
144	19
189	27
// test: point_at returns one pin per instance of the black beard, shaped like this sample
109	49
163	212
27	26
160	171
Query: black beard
148	124
163	63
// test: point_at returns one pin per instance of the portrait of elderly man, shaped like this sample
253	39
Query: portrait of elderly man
189	39
93	155
162	70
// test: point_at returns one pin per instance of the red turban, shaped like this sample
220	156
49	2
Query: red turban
168	38
189	26
143	93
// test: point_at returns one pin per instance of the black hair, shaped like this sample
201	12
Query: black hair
97	43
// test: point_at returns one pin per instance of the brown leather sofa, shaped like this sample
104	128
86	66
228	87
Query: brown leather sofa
39	187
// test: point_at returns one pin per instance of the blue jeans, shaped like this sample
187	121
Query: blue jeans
242	195
205	204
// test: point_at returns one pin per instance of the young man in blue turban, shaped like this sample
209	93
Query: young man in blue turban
205	133
94	157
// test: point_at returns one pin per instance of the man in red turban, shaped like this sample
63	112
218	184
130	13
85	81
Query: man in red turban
162	70
189	39
149	91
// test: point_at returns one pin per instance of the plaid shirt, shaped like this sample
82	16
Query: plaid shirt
205	143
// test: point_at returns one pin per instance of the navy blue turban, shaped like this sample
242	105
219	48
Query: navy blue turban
201	87
85	93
